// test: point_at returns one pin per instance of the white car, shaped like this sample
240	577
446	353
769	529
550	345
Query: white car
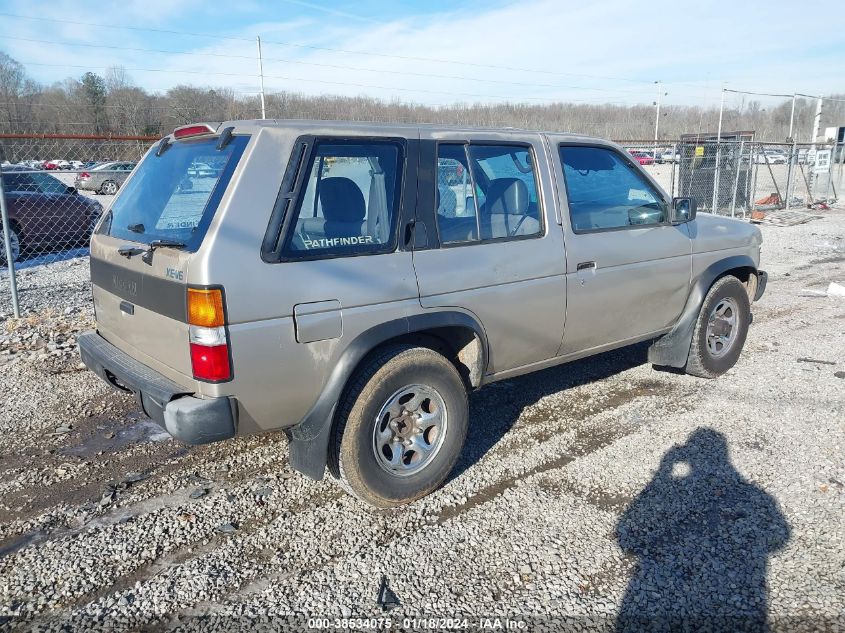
669	156
773	157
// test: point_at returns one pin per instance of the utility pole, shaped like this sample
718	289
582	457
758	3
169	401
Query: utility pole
791	118
656	120
261	77
817	120
718	154
792	155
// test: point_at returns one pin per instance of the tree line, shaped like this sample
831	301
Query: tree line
111	104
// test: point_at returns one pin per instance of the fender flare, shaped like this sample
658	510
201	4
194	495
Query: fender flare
672	349
309	440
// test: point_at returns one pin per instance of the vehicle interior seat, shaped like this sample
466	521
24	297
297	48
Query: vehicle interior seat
507	210
453	228
343	207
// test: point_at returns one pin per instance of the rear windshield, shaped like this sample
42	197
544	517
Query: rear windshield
174	196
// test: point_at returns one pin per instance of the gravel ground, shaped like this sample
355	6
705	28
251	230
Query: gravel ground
591	495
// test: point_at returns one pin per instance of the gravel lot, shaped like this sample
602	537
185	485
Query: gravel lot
589	495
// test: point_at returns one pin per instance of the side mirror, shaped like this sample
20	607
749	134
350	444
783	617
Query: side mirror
70	190
683	210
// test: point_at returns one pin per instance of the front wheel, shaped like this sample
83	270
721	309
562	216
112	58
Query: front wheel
720	330
400	427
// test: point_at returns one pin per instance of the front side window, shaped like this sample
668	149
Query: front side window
350	204
606	192
486	192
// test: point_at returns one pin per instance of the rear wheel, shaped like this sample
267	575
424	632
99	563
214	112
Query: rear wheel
720	330
400	427
15	243
109	187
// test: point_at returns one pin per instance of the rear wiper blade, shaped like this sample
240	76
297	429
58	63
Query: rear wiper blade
166	243
147	257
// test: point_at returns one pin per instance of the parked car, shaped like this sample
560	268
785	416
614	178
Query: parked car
105	178
643	158
350	309
773	157
44	213
669	156
203	170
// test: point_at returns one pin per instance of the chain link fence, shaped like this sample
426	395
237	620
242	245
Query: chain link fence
739	176
54	189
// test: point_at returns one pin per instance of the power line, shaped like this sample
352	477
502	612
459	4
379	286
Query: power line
759	94
321	81
326	48
323	65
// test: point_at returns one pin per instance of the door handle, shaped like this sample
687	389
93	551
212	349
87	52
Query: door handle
585	265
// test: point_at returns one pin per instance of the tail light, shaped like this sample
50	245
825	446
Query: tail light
208	337
84	175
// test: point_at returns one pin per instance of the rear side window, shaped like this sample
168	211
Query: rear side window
15	182
350	202
174	196
486	192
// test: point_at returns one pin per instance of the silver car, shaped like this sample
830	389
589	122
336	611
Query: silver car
105	178
350	284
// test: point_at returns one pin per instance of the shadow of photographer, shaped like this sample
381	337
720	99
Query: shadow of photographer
702	535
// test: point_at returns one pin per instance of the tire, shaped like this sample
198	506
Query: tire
16	243
720	330
372	417
109	188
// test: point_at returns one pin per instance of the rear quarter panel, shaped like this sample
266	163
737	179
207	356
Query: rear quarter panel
276	379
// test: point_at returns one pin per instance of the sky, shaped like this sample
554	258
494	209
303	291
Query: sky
440	53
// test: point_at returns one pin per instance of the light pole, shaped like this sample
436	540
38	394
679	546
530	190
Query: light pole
657	117
718	154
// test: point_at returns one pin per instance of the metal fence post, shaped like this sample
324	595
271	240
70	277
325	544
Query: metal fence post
793	157
676	159
736	178
755	169
7	245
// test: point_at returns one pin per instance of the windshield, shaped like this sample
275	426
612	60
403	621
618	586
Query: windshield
174	196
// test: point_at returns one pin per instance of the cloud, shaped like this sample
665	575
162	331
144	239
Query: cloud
535	51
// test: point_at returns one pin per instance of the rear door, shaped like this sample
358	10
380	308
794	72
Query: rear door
495	248
628	267
141	305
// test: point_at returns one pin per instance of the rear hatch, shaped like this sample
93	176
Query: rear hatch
141	250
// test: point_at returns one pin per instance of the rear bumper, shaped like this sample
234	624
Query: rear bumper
185	417
762	279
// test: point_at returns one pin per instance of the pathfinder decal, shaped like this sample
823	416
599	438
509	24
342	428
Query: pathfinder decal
329	242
